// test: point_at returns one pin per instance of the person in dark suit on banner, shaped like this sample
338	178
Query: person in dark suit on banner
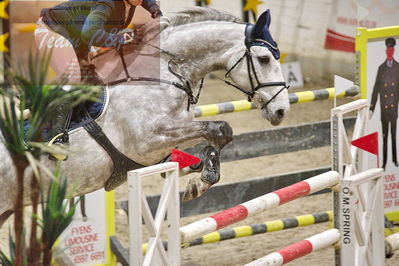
387	88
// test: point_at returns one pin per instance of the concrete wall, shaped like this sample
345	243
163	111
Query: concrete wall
232	6
299	27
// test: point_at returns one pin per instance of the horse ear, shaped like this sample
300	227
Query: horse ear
263	21
268	17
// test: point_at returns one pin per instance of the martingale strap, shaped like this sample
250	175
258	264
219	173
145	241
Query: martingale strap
186	87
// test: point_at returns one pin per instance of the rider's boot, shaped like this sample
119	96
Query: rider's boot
88	74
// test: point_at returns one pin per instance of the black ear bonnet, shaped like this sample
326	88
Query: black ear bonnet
259	35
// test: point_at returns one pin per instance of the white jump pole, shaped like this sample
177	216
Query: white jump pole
257	205
299	249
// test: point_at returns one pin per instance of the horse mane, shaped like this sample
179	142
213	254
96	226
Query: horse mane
182	17
186	16
197	14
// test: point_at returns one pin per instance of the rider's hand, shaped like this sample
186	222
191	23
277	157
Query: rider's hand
155	11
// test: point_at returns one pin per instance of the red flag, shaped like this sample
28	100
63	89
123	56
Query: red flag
368	143
184	159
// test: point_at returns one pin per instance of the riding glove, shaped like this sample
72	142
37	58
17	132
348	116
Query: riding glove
155	11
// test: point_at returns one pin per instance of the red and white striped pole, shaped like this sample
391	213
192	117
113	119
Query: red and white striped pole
257	205
299	249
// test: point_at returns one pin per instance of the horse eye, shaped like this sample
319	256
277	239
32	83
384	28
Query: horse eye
264	59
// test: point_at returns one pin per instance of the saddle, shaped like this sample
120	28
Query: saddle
122	164
85	116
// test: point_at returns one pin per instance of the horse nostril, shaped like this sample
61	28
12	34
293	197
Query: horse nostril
280	113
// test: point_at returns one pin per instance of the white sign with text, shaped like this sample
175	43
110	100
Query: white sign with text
84	240
292	74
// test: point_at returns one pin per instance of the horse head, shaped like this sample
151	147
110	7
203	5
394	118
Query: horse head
256	69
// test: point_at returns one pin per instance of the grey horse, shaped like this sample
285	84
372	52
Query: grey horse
146	119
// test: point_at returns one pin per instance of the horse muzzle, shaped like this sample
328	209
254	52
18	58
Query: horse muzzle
274	118
274	112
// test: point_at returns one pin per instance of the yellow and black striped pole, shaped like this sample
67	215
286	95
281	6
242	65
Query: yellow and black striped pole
249	230
296	97
271	226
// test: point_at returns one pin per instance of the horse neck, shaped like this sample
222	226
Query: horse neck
206	46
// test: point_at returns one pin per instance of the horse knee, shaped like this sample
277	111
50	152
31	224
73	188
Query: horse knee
221	133
227	131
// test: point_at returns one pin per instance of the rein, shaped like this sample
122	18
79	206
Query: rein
185	84
192	99
254	89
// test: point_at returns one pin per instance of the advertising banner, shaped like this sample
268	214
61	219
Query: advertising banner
86	241
346	16
379	81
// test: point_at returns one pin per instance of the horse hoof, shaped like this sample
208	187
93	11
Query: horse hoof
195	188
210	176
211	172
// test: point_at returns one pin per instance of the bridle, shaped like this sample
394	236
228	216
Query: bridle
259	85
185	84
251	69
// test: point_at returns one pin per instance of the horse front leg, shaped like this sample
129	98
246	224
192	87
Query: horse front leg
209	167
218	134
174	133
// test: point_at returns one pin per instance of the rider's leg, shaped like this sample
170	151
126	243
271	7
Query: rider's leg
69	55
88	73
64	60
65	64
87	70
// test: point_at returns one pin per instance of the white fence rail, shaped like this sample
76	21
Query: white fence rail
138	209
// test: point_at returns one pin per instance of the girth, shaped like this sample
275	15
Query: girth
122	164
